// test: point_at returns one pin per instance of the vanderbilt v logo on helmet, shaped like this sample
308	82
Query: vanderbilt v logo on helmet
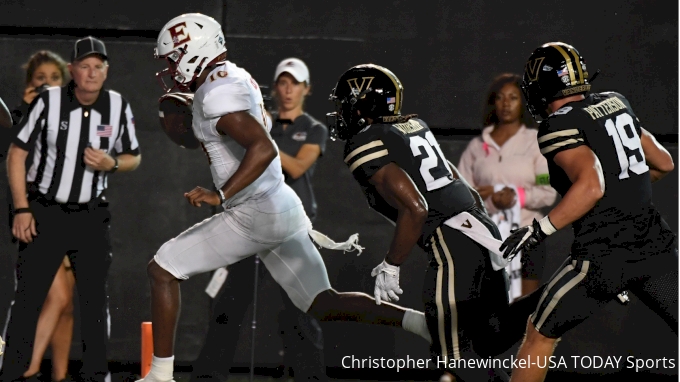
362	92
555	70
358	88
533	67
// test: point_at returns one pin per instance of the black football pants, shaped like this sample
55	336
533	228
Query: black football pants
466	306
82	232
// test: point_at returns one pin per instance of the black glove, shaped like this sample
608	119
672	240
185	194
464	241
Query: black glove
525	238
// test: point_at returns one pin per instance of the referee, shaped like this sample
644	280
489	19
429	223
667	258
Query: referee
81	134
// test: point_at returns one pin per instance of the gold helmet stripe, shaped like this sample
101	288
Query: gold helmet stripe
577	60
397	86
570	64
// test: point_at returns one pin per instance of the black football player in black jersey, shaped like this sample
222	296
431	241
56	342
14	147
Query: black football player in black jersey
400	167
603	163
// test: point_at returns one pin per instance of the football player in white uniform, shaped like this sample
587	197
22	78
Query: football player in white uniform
262	215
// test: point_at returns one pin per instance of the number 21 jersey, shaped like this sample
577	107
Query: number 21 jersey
624	217
412	146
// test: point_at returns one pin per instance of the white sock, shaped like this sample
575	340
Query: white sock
415	322
162	368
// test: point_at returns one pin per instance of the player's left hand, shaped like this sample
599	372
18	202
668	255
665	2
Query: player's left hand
201	195
386	283
525	238
98	160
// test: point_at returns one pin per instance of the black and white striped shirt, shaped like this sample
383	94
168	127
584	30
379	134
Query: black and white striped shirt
59	129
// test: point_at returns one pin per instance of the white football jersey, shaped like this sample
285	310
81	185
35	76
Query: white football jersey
229	89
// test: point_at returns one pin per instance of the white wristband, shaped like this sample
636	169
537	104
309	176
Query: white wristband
546	226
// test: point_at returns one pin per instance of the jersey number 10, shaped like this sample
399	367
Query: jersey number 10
628	149
433	167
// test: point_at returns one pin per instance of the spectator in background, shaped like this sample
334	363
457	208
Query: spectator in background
43	69
301	140
55	324
506	167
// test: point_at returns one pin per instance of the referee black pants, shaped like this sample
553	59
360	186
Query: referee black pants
82	232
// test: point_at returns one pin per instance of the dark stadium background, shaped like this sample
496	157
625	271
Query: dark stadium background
444	52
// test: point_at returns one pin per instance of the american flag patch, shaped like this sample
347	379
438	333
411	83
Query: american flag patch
391	100
562	72
104	130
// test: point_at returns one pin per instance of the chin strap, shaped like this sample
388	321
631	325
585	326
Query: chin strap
324	241
396	118
594	76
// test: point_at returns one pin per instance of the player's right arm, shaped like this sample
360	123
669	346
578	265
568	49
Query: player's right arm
584	170
658	158
565	146
230	102
585	173
369	159
398	189
260	150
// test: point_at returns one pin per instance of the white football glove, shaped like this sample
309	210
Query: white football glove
386	283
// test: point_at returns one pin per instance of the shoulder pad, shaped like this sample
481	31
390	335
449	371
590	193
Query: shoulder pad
615	94
225	98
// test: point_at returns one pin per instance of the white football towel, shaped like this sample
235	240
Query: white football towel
508	220
475	230
325	242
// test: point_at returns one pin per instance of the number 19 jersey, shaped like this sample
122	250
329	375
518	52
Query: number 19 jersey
625	216
412	146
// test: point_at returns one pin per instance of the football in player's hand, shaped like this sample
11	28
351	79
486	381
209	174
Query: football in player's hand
174	112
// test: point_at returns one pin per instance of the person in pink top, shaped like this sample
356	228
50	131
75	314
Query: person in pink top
506	167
